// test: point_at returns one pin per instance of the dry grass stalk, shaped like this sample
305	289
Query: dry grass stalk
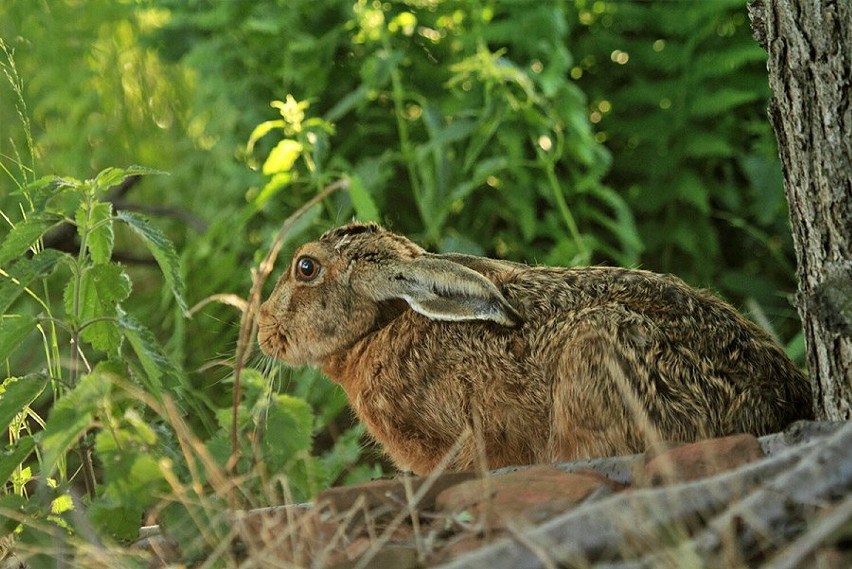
248	322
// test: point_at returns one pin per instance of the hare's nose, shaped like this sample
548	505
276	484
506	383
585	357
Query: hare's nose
265	312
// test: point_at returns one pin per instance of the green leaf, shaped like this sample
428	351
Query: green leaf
109	177
155	363
273	186
347	103
708	144
13	330
22	273
25	234
102	288
117	519
289	429
767	183
11	503
16	394
365	207
345	452
72	416
442	136
721	63
95	219
795	348
722	101
132	476
12	459
282	157
181	521
42	190
163	251
691	189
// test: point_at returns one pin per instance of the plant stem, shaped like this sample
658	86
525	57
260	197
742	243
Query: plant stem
248	322
79	267
398	95
565	211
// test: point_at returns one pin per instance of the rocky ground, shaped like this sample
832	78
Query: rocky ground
780	501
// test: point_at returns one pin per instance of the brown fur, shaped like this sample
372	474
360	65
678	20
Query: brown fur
579	363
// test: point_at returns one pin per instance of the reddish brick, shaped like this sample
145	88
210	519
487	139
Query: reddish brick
692	461
526	496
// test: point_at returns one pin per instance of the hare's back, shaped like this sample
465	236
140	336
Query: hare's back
659	312
658	296
683	344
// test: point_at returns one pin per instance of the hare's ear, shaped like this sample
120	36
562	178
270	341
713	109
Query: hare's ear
442	290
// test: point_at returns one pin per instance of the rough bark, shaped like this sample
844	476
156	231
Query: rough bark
809	43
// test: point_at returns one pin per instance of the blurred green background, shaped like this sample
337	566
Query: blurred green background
556	132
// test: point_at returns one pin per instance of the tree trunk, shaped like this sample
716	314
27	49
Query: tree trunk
809	43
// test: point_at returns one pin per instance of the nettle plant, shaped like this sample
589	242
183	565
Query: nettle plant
99	425
96	440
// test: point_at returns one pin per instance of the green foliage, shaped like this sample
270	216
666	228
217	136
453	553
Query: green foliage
130	447
22	272
100	413
162	250
26	233
96	295
549	132
70	417
13	330
678	92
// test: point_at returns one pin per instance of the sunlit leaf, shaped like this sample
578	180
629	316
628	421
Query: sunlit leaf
262	130
292	111
277	183
163	251
282	157
61	504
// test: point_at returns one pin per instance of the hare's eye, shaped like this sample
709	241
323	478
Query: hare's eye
306	268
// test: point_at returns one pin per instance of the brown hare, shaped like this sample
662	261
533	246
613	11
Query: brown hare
543	364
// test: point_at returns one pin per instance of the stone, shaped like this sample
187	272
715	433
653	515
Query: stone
390	492
669	464
524	497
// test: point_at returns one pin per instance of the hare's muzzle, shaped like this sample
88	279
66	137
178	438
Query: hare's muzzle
270	333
